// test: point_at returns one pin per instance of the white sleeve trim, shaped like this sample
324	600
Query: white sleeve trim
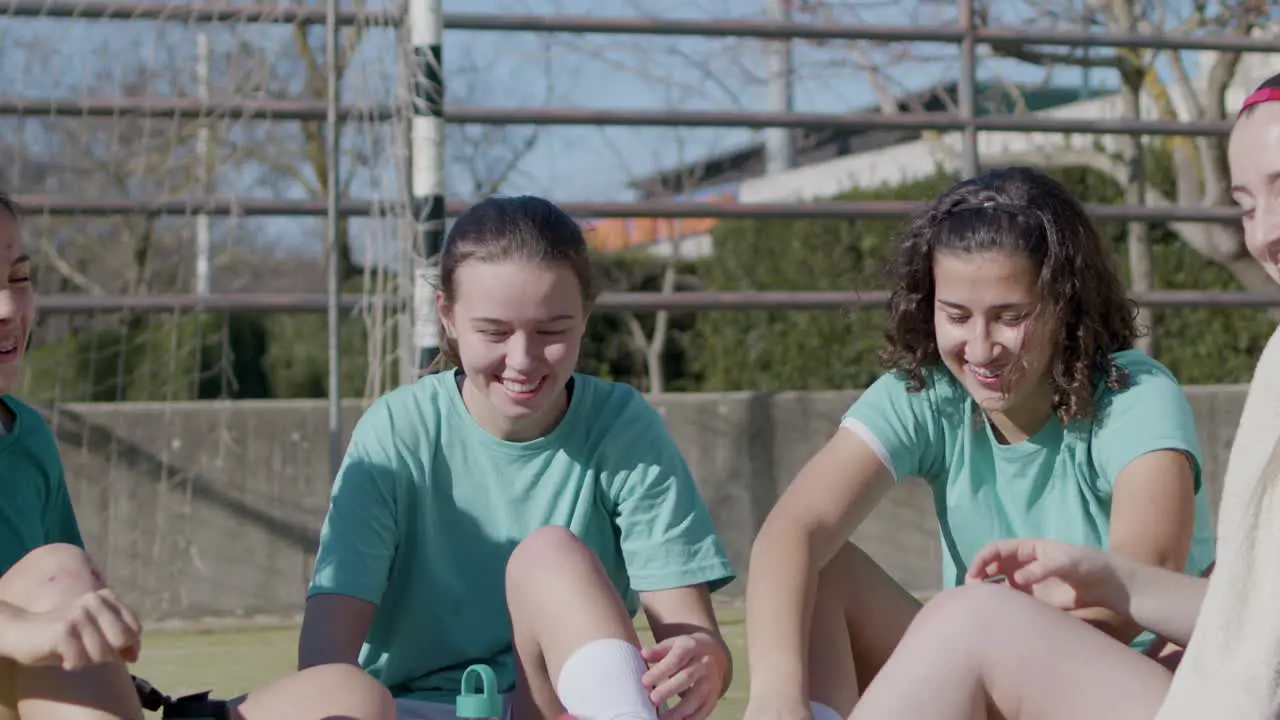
869	438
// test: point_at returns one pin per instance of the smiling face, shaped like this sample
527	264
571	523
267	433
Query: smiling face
518	327
17	304
1254	156
990	337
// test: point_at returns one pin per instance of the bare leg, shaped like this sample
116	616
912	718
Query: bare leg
859	616
990	652
560	599
324	692
47	578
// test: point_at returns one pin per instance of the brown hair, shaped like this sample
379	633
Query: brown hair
1022	210
522	228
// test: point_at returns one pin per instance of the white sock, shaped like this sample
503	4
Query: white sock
823	712
602	681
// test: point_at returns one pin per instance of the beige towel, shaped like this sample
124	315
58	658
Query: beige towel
1231	669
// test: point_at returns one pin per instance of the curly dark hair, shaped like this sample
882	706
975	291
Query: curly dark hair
1017	209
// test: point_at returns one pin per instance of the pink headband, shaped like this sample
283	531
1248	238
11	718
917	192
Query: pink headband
1259	96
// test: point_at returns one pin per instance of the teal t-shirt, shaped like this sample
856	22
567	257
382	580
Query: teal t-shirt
427	507
37	507
1056	484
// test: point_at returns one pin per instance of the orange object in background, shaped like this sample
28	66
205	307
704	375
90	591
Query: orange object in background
609	234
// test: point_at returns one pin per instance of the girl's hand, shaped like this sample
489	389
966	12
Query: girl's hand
1066	576
689	667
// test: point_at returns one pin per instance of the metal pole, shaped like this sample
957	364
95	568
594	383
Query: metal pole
608	301
779	148
332	218
426	31
272	13
268	110
202	157
405	346
832	210
968	91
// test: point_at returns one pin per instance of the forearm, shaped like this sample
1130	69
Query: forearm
320	645
1118	625
1163	601
780	598
14	622
313	651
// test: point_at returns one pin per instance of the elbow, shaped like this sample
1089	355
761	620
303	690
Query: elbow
779	536
786	547
330	636
315	649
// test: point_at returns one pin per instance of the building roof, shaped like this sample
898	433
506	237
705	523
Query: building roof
816	145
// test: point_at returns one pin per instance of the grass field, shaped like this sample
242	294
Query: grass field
231	662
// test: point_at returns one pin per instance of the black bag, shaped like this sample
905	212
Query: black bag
197	706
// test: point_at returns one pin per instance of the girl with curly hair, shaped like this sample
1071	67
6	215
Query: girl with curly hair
1015	392
988	651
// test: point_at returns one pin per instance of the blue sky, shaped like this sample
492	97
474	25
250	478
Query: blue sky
506	69
91	58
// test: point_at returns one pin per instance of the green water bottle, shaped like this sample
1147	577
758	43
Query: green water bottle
487	704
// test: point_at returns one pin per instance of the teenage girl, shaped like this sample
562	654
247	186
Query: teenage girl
989	651
65	638
516	513
1016	393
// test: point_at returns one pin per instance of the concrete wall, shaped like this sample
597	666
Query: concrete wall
212	509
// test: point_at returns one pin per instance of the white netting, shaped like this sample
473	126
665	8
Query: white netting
177	490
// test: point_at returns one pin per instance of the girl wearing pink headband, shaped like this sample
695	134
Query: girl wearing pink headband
1001	646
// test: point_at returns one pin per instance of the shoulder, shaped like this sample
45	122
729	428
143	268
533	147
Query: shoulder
894	392
618	426
33	441
1146	380
402	421
1149	412
411	406
1143	369
31	429
617	409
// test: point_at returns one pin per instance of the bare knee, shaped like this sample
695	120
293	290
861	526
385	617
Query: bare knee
354	690
549	553
50	576
966	604
964	621
323	691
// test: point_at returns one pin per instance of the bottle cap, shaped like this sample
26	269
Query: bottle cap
487	703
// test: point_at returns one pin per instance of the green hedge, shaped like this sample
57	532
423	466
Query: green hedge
776	350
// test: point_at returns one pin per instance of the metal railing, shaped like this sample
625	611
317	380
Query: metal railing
966	33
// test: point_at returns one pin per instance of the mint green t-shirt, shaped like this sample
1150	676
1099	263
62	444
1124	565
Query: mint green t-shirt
428	506
1056	484
37	508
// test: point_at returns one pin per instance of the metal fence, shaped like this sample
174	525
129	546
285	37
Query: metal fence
425	21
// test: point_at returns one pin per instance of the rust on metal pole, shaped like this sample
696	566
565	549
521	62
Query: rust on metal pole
316	110
609	301
835	210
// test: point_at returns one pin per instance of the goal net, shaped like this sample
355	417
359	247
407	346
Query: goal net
196	442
